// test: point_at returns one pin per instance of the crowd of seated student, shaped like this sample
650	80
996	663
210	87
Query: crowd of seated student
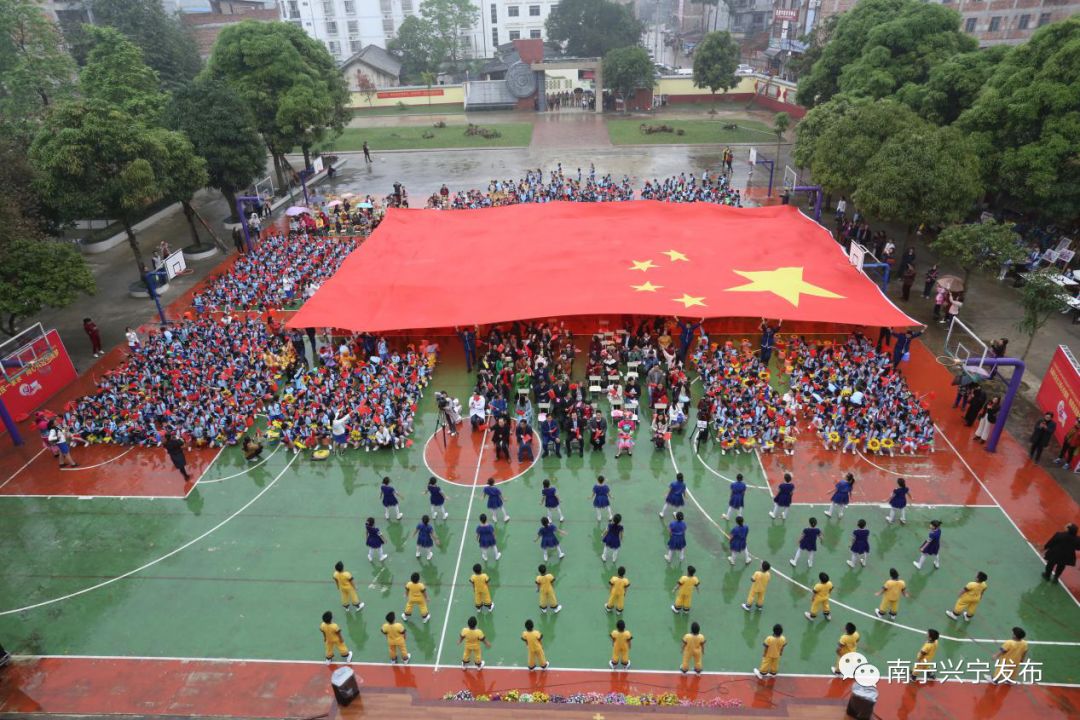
685	188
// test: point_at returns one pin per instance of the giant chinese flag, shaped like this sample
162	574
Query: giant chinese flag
433	269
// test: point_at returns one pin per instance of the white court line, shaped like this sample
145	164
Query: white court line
97	497
91	467
166	556
871	616
487	668
461	550
757	454
245	471
536	459
22	468
890	470
885	505
1023	538
720	475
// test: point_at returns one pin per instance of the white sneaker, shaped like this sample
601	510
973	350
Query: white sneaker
360	607
731	560
745	607
426	618
952	615
808	616
498	555
407	659
348	658
558	608
793	562
757	674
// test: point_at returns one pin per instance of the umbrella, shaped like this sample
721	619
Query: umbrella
349	195
333	203
296	210
364	205
951	283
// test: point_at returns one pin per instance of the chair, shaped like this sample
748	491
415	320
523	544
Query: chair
660	407
523	391
543	406
631	376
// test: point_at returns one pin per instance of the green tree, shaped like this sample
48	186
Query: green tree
428	78
815	41
1040	298
222	130
591	28
418	47
182	174
781	123
1027	126
627	69
35	274
978	246
35	68
922	174
881	45
449	20
292	85
115	73
715	62
167	45
835	141
953	85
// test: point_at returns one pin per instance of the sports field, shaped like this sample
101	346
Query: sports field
239	565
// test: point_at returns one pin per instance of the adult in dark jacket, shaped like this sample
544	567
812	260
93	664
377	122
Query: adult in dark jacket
1041	435
975	405
1060	551
903	344
175	447
500	435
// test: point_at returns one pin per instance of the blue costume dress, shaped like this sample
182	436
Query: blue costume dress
842	496
547	536
899	498
738	495
677	540
389	497
861	541
424	535
486	534
809	538
738	538
600	496
783	494
374	537
933	543
436	494
551	497
494	497
675	494
613	536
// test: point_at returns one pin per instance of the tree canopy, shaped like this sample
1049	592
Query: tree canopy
35	70
879	46
627	69
418	47
36	273
590	28
449	20
953	85
982	246
1026	123
116	73
167	45
715	62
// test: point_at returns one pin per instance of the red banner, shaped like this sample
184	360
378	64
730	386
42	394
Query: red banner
786	14
38	380
389	94
1060	391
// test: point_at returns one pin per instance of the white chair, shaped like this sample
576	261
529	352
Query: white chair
631	376
543	406
660	407
523	391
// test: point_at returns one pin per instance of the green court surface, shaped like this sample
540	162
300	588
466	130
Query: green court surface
241	568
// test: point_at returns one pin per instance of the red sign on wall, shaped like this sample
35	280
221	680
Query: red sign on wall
1060	391
389	94
39	380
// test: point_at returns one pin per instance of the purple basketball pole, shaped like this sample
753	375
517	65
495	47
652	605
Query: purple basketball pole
9	423
1007	401
817	202
243	218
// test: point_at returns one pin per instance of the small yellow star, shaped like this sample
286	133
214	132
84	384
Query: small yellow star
642	265
675	256
690	300
785	282
647	287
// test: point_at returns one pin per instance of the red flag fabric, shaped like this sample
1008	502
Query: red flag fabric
434	269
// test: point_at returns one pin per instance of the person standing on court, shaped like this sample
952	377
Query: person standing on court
91	329
468	341
1059	551
174	445
367	153
768	341
903	345
1041	435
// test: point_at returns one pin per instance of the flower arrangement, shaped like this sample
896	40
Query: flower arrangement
668	699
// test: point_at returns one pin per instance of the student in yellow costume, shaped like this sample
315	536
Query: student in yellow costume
545	585
890	593
969	599
684	591
849	643
770	659
347	587
332	639
533	642
693	648
481	588
759	581
923	669
1009	657
620	645
395	639
416	595
820	602
617	597
472	637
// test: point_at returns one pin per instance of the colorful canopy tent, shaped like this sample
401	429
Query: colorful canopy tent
434	269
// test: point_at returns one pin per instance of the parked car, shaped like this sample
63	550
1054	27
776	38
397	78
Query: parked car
744	70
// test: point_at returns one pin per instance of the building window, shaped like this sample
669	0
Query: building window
294	9
355	45
354	27
494	13
495	36
328	7
534	34
335	47
331	27
512	11
1023	22
388	25
969	25
350	7
534	11
1044	18
406	7
995	23
515	35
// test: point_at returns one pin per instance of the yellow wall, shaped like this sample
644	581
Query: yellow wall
685	86
411	95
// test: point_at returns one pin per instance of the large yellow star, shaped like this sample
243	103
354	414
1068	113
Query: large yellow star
675	256
786	282
690	300
642	265
647	287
